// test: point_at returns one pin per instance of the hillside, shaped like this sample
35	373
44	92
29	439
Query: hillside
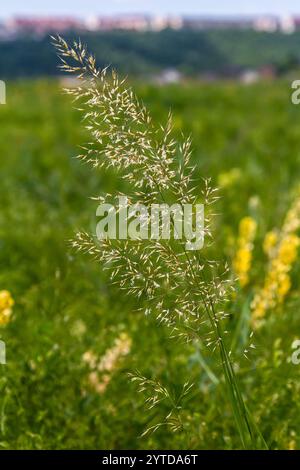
143	53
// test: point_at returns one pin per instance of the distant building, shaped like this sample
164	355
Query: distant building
175	22
268	72
158	23
92	23
297	23
248	77
268	24
168	77
287	24
41	26
3	31
203	23
124	22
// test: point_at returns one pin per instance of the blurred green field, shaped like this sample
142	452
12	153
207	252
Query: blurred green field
65	305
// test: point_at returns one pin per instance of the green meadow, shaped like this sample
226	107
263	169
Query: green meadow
247	140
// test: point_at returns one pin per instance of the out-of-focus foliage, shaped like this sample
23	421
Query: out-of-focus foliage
245	138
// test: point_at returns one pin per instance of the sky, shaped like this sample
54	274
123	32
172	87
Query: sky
106	7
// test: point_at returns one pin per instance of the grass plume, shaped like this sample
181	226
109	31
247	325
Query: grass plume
185	290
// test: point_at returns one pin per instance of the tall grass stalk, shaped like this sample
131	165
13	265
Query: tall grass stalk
183	289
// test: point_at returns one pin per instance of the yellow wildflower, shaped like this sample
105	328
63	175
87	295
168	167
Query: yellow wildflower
292	445
282	250
90	359
292	220
247	228
104	368
6	304
112	356
243	257
270	242
284	286
288	250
